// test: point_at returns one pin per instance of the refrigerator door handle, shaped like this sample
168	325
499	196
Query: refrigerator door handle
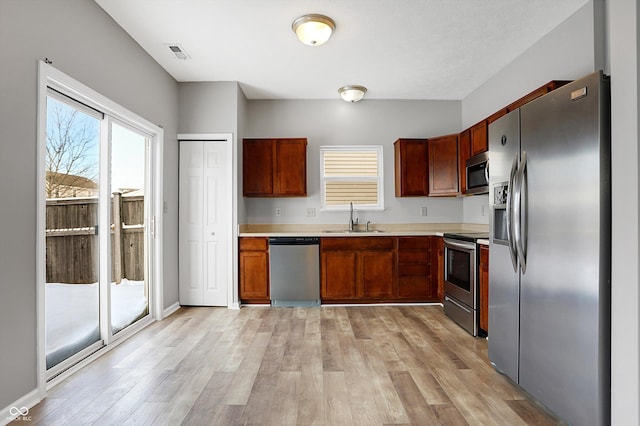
518	203
509	213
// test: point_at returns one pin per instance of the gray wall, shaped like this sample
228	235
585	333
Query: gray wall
623	63
566	53
83	42
217	107
335	122
208	107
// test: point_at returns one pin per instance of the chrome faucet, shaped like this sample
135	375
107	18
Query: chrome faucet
351	221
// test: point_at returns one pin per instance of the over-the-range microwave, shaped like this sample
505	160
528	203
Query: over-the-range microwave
478	174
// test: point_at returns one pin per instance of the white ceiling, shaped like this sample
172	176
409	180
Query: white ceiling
398	49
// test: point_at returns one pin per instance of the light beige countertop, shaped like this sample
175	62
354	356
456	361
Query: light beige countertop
483	242
340	230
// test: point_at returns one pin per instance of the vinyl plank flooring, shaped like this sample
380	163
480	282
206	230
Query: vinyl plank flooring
208	405
329	365
247	371
310	409
381	386
336	398
284	406
414	404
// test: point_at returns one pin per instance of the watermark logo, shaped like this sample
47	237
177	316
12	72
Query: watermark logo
19	414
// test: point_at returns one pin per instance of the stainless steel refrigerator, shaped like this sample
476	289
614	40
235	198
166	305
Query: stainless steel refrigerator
550	249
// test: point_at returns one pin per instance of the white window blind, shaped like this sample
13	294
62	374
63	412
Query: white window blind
351	174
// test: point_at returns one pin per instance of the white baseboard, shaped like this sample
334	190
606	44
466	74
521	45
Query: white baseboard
20	408
234	305
171	309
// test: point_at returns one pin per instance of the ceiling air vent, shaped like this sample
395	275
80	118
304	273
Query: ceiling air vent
178	51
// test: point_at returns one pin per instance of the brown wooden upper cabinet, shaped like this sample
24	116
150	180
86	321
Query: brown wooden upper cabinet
479	138
411	167
542	90
443	166
464	152
274	167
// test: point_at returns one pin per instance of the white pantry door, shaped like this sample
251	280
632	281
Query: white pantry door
204	223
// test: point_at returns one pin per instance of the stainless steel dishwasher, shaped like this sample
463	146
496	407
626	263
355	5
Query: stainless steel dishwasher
294	271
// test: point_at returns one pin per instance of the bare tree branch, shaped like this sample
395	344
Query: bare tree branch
71	149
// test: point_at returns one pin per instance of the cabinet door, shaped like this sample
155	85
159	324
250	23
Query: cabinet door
443	165
483	278
258	167
464	152
291	167
254	275
338	275
411	168
479	138
437	251
377	274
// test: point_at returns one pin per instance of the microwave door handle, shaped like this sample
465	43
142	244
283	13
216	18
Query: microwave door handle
486	172
521	208
509	213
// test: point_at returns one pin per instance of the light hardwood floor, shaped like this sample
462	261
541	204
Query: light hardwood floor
329	365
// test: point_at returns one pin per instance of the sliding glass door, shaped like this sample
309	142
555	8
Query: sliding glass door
72	293
97	232
129	212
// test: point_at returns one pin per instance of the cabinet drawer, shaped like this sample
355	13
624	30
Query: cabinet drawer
251	243
413	269
414	257
412	243
357	243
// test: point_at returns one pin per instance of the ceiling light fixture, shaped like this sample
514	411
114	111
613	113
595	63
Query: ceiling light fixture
313	29
352	93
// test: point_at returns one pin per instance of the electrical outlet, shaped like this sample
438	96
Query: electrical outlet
278	211
423	211
311	212
484	209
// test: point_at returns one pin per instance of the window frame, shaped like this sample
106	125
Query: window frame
380	178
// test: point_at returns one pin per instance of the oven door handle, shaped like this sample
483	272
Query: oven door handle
458	245
464	308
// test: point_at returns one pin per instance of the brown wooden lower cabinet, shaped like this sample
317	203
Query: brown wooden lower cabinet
377	274
253	262
415	280
377	269
438	253
356	269
338	272
483	280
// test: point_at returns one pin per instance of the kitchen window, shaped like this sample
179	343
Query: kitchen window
351	174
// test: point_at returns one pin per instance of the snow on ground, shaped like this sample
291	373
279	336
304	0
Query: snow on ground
72	315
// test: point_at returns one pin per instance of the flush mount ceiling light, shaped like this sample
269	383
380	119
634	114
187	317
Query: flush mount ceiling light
313	29
352	93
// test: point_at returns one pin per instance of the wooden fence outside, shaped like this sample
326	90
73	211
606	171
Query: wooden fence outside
72	246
